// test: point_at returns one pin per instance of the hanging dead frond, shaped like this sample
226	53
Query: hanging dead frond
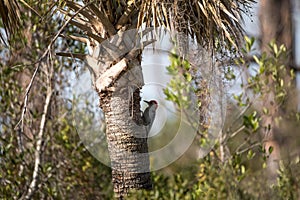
10	15
209	21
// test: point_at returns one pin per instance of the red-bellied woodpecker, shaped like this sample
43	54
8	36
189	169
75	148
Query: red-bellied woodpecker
149	114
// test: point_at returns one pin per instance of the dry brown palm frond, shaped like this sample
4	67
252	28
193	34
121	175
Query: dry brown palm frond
101	19
211	22
10	15
207	20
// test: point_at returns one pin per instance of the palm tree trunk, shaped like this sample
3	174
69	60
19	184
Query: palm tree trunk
126	139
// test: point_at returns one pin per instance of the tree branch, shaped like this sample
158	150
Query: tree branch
72	55
107	78
37	153
38	67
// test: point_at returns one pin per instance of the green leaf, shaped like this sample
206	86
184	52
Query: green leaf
256	59
243	169
270	149
250	154
275	49
188	77
265	110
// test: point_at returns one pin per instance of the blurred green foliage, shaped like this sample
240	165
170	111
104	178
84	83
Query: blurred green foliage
68	171
243	174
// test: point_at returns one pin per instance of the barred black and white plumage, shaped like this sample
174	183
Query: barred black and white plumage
149	114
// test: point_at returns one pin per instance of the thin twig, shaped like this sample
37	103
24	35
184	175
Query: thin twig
38	67
237	131
248	148
26	99
241	114
37	153
38	150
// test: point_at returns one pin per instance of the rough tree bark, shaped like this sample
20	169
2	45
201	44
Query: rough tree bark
118	78
126	137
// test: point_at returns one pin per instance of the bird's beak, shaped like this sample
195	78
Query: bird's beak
147	102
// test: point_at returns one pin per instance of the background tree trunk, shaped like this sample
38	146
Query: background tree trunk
276	24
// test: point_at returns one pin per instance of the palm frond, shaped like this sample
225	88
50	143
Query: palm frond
209	21
10	15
